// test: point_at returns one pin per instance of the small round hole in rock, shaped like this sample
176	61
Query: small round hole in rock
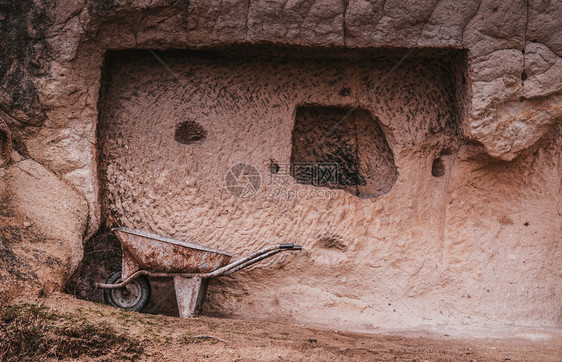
189	132
438	167
344	92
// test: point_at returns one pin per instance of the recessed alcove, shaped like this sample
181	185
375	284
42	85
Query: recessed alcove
342	148
168	135
281	109
438	167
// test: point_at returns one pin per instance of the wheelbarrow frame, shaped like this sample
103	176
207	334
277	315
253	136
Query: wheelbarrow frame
190	286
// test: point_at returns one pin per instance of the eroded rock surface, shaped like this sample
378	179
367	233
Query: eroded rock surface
476	232
43	221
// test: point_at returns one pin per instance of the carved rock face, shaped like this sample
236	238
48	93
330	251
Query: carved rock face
468	206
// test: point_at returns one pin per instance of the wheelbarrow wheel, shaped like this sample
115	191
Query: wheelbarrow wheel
132	297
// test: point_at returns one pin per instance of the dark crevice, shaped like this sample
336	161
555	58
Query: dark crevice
23	51
438	167
102	256
524	74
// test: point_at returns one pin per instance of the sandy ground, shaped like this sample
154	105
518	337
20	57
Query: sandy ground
173	339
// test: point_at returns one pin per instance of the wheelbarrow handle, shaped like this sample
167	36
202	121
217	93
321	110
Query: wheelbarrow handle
251	259
290	246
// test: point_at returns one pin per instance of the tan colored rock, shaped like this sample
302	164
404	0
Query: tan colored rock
522	123
306	22
545	24
461	237
543	71
484	29
52	217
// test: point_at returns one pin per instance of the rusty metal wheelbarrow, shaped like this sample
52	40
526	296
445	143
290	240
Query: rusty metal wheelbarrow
191	266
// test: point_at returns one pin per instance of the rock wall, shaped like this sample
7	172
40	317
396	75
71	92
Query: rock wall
42	224
481	241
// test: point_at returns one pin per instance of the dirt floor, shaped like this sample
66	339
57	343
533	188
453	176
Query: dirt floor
156	337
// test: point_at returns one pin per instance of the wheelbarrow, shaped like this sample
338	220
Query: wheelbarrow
191	265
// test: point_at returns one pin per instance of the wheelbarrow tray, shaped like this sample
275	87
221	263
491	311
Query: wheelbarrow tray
158	254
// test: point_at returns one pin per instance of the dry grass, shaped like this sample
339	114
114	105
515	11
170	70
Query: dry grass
32	332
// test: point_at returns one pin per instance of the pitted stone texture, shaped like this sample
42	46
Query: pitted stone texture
545	24
543	71
247	105
447	23
496	25
308	22
52	220
524	122
496	214
211	22
400	23
78	34
501	81
53	59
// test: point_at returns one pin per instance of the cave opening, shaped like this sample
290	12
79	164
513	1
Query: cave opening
341	148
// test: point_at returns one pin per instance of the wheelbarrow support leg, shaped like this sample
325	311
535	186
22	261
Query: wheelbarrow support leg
190	295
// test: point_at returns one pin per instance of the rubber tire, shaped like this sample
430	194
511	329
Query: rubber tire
145	289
